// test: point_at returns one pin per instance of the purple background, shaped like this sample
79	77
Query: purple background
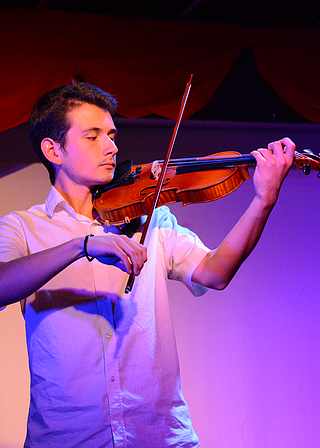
249	354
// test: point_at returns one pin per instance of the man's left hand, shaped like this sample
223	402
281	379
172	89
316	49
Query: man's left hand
273	164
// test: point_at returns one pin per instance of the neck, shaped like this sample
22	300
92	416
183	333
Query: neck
78	196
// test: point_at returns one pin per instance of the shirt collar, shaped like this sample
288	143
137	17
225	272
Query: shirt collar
54	199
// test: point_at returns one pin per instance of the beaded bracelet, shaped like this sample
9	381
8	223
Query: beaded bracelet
85	248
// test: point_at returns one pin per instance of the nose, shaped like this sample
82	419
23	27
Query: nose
109	146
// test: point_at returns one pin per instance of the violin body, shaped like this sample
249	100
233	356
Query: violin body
132	196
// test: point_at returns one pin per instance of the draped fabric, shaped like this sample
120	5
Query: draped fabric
146	64
289	62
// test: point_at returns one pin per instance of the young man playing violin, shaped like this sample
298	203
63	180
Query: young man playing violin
104	366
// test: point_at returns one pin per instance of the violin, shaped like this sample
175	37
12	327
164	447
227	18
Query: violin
137	190
187	180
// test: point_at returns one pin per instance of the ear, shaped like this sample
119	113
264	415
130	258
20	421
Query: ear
51	150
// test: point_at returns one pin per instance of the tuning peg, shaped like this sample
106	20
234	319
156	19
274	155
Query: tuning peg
306	169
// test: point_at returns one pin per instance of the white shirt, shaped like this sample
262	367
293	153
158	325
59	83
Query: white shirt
103	376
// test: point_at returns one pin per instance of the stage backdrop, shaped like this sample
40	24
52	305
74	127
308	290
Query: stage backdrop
249	354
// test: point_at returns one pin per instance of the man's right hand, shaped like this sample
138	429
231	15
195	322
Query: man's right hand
118	250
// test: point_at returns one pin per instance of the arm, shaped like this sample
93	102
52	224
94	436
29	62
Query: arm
23	276
218	268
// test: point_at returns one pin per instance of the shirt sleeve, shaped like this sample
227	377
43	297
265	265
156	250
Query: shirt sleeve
183	251
12	240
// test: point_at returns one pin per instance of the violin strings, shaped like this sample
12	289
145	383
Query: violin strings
199	159
226	161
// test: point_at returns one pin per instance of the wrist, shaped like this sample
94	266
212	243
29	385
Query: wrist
85	247
76	246
264	204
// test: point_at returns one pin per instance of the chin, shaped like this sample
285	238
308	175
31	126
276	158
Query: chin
104	180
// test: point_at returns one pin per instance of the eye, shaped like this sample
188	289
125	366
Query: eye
92	138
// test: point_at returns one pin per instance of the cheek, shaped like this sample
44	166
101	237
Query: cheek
84	158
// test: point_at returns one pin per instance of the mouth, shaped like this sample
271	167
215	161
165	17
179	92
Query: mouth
110	165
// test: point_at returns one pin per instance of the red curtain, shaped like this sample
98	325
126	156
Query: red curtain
146	64
289	62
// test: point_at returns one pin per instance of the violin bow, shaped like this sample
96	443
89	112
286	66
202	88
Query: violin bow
159	185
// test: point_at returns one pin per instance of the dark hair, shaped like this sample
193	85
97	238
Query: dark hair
48	116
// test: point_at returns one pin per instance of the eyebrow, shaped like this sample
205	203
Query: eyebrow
99	130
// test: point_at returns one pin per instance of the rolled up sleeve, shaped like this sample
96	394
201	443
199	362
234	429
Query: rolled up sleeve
184	251
12	240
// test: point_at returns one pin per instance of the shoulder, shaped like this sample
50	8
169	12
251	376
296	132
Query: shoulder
17	218
164	218
11	219
168	227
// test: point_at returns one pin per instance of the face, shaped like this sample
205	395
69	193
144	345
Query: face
89	154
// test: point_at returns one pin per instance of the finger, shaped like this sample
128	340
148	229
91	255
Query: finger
124	258
284	151
138	249
136	253
131	253
277	149
288	142
260	155
284	147
289	147
267	153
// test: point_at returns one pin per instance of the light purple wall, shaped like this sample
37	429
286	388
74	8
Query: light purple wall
249	354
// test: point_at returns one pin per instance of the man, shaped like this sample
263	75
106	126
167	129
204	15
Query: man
104	367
